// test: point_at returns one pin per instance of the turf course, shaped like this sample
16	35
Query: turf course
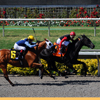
15	33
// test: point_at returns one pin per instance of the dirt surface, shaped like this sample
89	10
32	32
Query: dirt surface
33	86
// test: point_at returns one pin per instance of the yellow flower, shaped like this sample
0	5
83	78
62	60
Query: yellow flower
96	72
79	70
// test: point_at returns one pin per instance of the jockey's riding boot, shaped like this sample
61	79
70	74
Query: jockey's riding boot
62	50
21	63
20	57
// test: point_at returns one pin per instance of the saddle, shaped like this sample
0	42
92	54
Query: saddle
58	52
14	56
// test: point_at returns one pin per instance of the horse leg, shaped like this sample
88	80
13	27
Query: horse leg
84	65
6	75
52	63
55	68
69	66
49	65
41	67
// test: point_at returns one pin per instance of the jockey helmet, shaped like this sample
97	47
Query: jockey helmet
31	37
73	33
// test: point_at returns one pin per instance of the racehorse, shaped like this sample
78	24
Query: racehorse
30	60
71	55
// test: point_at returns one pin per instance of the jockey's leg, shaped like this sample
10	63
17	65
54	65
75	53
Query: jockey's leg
21	48
58	41
66	43
62	49
20	56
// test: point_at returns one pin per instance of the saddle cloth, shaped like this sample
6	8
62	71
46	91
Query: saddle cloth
58	53
14	54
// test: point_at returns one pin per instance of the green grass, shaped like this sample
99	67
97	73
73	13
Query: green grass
15	33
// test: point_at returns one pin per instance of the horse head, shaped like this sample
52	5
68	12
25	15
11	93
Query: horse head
87	42
76	45
46	44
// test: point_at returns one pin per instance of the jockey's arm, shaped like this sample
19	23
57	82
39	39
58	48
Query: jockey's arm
33	42
65	38
29	45
74	41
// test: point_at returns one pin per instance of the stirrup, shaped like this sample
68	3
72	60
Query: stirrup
20	57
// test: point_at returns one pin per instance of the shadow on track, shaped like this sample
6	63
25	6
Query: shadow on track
60	83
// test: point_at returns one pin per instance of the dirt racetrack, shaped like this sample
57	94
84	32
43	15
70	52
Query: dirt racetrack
33	86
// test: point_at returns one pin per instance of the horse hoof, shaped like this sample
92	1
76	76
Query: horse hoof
53	77
66	76
41	77
12	85
84	75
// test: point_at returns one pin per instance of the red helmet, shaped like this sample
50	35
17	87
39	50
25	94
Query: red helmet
73	33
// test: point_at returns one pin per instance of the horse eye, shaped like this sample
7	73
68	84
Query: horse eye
49	43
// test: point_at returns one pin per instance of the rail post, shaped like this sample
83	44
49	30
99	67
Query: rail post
98	65
3	29
94	29
48	28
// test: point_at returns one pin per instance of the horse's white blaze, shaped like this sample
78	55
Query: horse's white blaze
49	44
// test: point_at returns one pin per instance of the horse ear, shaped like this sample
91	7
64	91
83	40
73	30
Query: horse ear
46	39
83	35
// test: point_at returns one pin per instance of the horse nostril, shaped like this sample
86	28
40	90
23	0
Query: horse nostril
93	46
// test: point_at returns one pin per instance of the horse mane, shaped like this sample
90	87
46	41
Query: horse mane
83	35
38	41
79	38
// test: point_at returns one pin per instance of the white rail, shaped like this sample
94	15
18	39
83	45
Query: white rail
91	55
49	19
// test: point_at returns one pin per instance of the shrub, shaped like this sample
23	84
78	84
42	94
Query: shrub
21	71
91	65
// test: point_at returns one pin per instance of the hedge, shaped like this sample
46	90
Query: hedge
91	65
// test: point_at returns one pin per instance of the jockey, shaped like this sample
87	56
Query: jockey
23	43
64	40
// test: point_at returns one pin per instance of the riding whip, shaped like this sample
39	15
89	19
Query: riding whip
37	51
35	34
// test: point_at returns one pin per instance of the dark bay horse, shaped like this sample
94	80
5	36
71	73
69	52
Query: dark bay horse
71	56
30	60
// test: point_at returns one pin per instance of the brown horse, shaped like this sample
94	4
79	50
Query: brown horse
30	60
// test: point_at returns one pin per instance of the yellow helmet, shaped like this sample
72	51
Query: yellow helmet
31	37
